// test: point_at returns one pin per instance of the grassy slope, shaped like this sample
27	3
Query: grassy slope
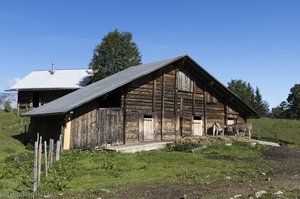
287	130
84	170
10	125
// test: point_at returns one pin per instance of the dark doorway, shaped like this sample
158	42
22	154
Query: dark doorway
36	99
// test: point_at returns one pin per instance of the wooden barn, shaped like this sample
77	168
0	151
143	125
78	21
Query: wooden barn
41	87
159	101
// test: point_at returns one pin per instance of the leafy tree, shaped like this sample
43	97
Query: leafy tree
280	111
116	52
294	102
289	109
254	99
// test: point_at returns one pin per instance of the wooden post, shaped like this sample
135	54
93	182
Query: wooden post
193	99
204	108
37	137
61	143
46	160
18	109
153	93
40	160
50	154
57	150
35	170
162	106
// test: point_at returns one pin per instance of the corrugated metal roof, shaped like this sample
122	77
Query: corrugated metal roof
97	89
61	79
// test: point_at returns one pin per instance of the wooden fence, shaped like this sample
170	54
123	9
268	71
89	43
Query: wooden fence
47	158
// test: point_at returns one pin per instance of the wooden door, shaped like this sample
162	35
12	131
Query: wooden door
111	126
197	127
148	129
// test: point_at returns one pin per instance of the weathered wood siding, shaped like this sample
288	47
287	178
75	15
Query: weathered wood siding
159	106
172	106
26	98
84	126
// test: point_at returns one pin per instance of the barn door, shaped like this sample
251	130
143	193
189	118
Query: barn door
197	127
110	126
148	129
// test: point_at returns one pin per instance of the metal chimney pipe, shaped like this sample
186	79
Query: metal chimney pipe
52	68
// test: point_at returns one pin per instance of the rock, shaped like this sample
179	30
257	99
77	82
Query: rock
228	177
183	197
260	193
105	190
278	193
263	173
237	196
268	179
17	159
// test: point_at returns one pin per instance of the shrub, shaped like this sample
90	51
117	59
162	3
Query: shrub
7	106
187	146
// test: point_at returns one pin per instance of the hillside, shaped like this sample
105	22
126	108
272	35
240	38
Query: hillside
218	171
286	130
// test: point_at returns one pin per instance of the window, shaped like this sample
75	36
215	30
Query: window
184	83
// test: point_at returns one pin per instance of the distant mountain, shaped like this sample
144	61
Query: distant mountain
12	96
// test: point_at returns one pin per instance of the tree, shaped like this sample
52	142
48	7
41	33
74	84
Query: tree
294	102
243	90
280	111
289	109
254	99
116	52
260	105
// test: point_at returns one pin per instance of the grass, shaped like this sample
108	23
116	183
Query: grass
88	171
286	130
10	126
101	169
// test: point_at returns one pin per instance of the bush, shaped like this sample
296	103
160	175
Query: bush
7	106
187	147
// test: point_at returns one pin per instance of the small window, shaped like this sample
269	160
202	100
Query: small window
184	83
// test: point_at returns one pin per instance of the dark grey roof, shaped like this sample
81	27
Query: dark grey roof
77	98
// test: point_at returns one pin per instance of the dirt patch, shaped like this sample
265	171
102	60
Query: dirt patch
284	174
281	153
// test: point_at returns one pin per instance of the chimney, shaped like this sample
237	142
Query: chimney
52	68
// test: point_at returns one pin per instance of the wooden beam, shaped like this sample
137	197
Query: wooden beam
204	108
193	102
175	103
175	92
153	93
226	113
162	105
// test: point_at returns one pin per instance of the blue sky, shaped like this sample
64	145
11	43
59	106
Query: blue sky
257	41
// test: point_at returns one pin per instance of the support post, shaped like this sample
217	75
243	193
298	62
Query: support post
40	160
204	108
46	158
162	105
35	169
57	150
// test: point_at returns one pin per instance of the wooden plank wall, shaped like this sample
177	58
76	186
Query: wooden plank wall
137	102
84	126
25	98
157	95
